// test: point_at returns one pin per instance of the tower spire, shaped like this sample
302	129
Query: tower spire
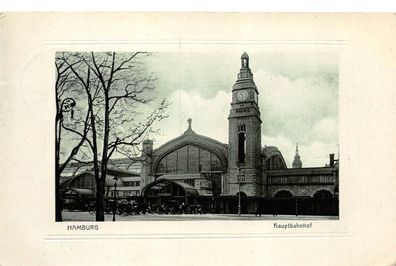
245	72
245	60
245	76
297	161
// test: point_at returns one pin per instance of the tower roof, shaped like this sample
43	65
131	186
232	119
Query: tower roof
245	76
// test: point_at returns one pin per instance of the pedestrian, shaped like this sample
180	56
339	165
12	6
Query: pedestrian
274	209
258	210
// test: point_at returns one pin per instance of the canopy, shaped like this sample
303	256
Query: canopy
170	186
84	193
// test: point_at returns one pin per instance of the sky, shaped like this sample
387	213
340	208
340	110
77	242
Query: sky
298	98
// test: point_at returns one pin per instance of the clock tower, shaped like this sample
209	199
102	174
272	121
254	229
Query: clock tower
244	136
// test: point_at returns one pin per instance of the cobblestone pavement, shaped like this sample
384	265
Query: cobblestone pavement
85	216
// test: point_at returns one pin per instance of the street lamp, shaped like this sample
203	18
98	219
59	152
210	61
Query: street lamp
239	191
66	105
115	197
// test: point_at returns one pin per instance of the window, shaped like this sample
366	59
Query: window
241	178
182	159
189	159
189	182
193	159
244	62
324	179
171	162
132	183
85	181
241	147
204	160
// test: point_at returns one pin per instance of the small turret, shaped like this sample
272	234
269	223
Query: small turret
245	74
147	147
245	60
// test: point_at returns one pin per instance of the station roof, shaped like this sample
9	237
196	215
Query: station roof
161	182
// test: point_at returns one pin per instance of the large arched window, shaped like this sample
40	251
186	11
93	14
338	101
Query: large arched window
241	144
189	159
84	181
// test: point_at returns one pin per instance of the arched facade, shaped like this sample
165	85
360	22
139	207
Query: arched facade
323	194
199	146
191	159
128	183
188	159
283	193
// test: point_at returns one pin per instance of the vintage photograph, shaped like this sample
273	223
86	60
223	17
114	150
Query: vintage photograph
198	138
195	136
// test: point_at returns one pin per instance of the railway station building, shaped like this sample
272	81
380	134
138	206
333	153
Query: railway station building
200	170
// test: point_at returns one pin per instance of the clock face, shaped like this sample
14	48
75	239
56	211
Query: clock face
242	95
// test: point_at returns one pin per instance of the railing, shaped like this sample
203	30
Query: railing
289	180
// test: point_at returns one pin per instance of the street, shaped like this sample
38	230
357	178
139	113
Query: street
85	216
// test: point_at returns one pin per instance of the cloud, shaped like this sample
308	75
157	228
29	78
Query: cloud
292	107
298	98
326	130
209	116
302	110
286	122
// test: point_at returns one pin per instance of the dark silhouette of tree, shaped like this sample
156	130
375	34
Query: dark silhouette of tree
119	92
64	104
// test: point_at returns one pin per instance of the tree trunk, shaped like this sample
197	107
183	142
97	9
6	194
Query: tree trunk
100	201
58	200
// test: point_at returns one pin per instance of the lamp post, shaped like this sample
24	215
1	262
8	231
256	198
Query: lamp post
115	197
239	191
66	105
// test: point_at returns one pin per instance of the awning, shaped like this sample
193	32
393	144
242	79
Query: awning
162	182
84	193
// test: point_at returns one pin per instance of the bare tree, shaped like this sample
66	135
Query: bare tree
119	93
63	82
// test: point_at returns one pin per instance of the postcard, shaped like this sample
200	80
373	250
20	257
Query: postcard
201	138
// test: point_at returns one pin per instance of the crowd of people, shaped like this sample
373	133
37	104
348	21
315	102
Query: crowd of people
131	207
126	207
